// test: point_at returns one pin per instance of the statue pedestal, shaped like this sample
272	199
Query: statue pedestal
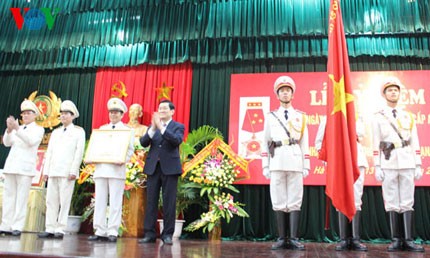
133	213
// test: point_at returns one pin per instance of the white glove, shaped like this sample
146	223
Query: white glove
418	173
379	174
305	173
266	173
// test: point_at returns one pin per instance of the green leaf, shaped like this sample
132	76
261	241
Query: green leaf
211	226
232	188
196	140
227	218
127	194
241	212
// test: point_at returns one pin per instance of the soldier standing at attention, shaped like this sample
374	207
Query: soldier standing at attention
397	159
285	160
62	163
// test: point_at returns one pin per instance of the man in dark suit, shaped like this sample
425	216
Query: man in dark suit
163	167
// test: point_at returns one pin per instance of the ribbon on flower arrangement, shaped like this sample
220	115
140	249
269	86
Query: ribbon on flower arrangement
211	149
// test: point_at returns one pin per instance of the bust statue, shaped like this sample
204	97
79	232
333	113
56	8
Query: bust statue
135	112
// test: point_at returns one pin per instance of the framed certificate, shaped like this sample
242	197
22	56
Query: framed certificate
108	146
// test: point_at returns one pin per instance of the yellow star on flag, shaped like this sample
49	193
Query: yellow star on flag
164	91
341	98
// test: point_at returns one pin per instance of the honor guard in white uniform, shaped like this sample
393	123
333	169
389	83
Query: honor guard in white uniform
285	160
20	166
62	162
350	242
109	181
397	159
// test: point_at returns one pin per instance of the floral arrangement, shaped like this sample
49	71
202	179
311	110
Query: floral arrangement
134	176
215	174
217	171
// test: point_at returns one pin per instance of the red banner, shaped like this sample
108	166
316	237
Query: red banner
145	85
310	97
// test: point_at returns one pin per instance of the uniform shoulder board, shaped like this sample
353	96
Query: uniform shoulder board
301	112
128	127
407	111
271	111
381	112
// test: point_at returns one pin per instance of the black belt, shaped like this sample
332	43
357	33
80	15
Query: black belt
286	142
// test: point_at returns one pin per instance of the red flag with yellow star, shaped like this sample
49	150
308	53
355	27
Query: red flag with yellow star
340	135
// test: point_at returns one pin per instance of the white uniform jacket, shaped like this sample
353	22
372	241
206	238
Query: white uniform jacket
293	157
65	150
401	157
107	170
23	154
360	130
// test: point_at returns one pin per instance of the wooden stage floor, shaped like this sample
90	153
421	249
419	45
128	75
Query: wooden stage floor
28	245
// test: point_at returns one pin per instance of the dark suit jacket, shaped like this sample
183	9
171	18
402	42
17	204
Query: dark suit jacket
164	149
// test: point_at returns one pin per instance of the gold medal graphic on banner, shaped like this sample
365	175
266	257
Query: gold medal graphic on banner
49	108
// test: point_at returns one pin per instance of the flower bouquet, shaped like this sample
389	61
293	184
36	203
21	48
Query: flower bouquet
214	175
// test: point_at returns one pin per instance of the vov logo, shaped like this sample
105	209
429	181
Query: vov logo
34	19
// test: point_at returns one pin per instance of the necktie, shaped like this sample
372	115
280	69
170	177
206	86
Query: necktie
64	129
286	114
113	126
394	113
25	127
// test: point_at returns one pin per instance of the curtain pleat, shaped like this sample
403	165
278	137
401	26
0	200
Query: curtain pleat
128	33
209	51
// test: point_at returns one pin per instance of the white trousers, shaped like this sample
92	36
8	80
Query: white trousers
398	189
358	189
286	190
16	189
111	189
58	198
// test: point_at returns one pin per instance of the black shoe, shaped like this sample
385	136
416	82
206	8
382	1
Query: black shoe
146	240
96	238
167	240
294	244
2	232
59	235
396	245
408	245
356	245
280	244
112	238
16	233
342	246
45	235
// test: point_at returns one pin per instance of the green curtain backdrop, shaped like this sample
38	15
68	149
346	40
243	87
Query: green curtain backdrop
127	33
75	85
